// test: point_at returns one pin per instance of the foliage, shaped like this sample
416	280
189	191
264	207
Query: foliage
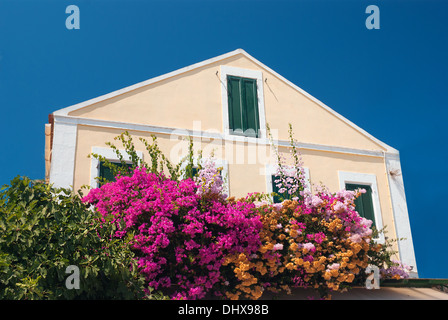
383	258
164	230
291	179
181	232
158	161
44	230
309	240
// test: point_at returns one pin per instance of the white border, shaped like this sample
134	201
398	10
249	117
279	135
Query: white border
270	170
210	135
63	155
400	211
110	155
369	180
245	73
65	132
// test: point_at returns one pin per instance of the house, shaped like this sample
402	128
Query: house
225	104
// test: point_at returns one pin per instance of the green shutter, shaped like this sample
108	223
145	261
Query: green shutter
364	203
250	111
106	172
243	106
235	108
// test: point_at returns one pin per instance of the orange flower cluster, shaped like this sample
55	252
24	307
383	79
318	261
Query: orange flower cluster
248	283
291	255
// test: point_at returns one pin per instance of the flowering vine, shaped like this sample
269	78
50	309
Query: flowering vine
192	241
180	237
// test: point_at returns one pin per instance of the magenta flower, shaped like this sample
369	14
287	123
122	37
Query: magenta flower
179	236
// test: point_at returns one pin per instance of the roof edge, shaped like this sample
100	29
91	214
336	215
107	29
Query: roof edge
388	148
65	111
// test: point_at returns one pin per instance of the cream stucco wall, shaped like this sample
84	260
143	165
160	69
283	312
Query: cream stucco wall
192	99
192	96
245	170
246	163
324	168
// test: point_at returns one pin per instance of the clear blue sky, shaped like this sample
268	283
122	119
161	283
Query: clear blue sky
392	82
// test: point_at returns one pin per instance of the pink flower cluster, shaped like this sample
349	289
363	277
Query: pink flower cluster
180	238
290	179
210	180
339	205
318	237
397	270
182	232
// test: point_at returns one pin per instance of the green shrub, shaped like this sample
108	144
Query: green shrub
43	230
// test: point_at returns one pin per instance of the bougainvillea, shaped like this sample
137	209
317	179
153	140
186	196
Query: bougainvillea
397	270
181	238
210	180
320	242
191	241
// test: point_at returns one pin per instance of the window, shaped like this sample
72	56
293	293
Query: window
106	173
242	101
243	106
97	168
278	198
364	203
368	204
272	187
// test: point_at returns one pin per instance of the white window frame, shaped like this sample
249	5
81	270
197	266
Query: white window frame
244	73
368	180
271	170
110	155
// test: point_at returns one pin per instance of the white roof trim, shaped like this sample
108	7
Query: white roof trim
70	120
65	111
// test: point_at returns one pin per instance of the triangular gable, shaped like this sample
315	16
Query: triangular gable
72	109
